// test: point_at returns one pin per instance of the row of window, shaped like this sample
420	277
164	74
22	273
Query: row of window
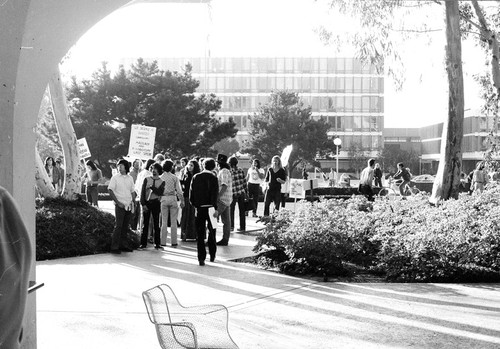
338	65
309	84
337	123
373	104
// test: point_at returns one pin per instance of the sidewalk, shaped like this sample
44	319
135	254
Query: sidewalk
95	302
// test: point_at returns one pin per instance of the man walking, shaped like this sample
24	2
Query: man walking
203	196
366	179
122	191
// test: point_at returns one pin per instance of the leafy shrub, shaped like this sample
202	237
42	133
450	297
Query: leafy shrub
73	228
407	240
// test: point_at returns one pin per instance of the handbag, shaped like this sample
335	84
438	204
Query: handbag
249	204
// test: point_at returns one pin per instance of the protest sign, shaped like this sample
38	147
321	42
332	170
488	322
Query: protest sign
83	149
142	142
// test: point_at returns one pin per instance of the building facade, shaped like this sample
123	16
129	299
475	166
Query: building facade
349	95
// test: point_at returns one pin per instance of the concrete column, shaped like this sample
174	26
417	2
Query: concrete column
34	36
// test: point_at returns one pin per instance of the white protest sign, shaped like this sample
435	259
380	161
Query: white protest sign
297	189
286	155
142	142
83	148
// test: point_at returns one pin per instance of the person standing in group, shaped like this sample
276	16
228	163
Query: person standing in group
203	194
51	171
377	175
188	226
92	179
479	178
366	180
225	179
405	175
275	177
62	174
255	176
122	191
138	189
151	193
134	173
240	192
169	206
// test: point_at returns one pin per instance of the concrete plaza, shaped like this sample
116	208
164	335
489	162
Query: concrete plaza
95	302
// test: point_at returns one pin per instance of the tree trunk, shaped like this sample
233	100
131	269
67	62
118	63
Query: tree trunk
42	180
72	180
450	162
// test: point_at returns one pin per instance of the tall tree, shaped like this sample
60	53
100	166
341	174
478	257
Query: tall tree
144	94
382	22
284	120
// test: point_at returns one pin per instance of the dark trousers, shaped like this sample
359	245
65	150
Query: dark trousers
202	224
240	199
378	182
367	191
152	208
92	195
272	196
122	220
136	215
254	192
402	187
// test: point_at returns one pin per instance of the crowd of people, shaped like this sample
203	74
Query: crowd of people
159	196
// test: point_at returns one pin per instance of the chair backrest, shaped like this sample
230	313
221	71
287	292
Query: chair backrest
160	301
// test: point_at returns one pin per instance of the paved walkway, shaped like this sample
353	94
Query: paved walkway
95	302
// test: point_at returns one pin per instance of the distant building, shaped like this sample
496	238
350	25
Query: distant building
349	95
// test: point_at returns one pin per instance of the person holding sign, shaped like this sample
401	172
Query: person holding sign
275	177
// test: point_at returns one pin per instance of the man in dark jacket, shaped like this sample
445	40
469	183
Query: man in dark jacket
203	196
405	175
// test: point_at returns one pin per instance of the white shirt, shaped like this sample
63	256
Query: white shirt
253	175
366	177
123	187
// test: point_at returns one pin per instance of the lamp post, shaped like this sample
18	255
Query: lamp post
337	141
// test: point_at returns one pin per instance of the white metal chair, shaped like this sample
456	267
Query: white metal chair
203	326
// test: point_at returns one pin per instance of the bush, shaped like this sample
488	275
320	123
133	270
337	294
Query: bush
73	228
407	240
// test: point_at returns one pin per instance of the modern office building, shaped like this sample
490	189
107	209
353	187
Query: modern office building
426	141
344	91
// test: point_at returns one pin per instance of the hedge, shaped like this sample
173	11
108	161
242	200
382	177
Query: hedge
73	228
406	240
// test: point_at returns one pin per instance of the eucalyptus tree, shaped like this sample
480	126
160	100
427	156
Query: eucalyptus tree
383	23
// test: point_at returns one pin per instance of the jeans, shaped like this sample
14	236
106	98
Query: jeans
272	196
254	192
122	220
152	208
202	223
240	200
402	187
92	195
225	216
170	208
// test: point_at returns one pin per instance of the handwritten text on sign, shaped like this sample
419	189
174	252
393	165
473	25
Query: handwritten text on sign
142	142
83	148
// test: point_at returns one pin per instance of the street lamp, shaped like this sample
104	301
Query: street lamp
337	141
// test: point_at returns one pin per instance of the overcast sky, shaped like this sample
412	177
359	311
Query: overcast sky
266	28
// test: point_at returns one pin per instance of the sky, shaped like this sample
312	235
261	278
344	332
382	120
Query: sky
270	28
